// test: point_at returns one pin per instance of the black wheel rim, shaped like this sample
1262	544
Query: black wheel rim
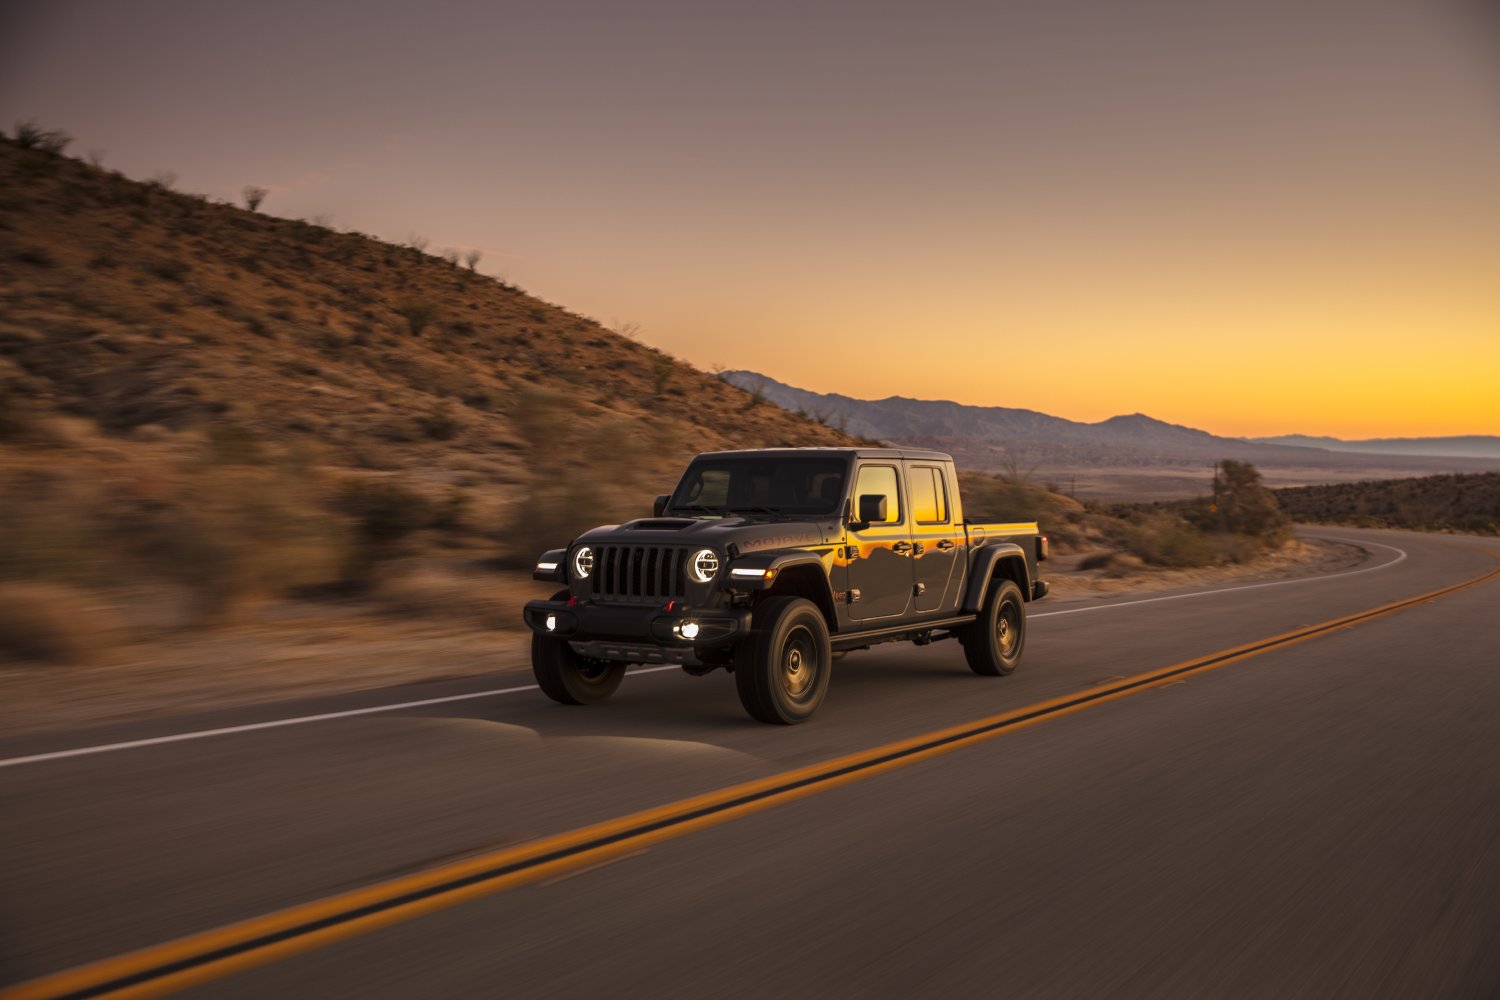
799	666
592	671
1008	630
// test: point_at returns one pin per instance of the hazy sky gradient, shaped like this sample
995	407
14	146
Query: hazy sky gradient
1249	217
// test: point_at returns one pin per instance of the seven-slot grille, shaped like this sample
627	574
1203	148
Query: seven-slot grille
643	573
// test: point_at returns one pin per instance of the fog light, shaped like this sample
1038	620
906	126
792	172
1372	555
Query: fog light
551	623
688	630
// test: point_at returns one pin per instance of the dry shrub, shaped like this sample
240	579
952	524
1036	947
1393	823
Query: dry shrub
432	593
1165	539
582	475
54	623
1097	560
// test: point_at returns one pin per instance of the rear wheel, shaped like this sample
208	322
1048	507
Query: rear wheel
782	668
993	643
570	679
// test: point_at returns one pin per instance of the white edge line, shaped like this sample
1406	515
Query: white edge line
277	723
495	692
1401	556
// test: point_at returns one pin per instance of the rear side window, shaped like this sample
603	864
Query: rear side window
929	497
880	480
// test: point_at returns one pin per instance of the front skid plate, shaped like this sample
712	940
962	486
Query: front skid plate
635	652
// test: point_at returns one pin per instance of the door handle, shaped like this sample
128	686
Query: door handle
902	547
945	544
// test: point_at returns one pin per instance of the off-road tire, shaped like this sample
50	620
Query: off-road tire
782	668
993	643
566	677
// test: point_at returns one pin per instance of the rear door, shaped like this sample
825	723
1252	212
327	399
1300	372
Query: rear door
937	543
880	565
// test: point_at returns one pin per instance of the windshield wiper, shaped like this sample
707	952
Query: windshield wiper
768	511
701	508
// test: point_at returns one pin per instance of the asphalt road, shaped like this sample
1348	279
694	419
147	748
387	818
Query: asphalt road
1321	819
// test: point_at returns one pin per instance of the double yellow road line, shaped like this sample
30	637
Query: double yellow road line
201	957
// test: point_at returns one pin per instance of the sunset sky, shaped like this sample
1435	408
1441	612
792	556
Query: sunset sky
1254	218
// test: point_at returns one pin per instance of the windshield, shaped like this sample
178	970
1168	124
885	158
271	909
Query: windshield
718	486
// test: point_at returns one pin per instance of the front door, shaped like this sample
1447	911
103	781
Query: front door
880	566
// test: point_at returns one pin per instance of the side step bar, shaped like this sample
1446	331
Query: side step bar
895	633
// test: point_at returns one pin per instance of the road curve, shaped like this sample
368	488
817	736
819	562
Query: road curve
1315	820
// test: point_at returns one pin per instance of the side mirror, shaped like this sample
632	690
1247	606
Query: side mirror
872	508
660	506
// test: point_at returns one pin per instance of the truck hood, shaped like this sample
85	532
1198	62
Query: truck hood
746	534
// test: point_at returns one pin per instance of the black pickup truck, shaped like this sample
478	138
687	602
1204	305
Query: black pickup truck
771	564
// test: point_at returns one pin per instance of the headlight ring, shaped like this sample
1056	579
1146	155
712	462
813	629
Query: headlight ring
703	565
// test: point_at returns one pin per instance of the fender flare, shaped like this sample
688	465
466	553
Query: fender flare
783	562
987	561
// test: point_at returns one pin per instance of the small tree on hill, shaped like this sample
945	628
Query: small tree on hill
254	196
1243	505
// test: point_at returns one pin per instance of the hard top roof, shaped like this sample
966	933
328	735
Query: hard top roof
892	453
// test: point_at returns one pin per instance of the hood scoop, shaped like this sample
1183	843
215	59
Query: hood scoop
661	524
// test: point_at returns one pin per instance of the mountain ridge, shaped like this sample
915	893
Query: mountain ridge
1451	446
992	437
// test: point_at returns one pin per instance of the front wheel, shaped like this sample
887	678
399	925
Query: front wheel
781	669
570	679
993	643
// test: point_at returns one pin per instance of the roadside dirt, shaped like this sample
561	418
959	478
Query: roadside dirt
283	652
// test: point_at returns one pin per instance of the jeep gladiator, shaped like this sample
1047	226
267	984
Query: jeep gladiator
772	563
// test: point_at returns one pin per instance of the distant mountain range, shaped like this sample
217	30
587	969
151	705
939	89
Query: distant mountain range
991	437
1467	446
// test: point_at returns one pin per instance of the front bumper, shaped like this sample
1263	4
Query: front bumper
636	633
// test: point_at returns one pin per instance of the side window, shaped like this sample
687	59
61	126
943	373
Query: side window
929	499
880	480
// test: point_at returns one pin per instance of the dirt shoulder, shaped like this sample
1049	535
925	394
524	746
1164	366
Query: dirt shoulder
285	652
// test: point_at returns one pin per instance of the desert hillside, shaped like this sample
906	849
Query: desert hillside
1469	504
151	337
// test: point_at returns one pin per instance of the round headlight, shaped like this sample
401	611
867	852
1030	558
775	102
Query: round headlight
583	562
703	565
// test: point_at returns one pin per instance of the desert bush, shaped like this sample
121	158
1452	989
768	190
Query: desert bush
433	593
582	474
35	257
54	623
1167	540
254	196
15	415
418	315
234	533
30	135
1098	560
440	423
661	374
167	269
472	258
233	444
384	512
